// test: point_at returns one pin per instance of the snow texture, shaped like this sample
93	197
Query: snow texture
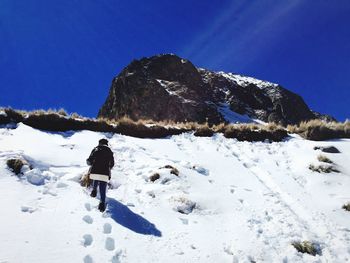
232	201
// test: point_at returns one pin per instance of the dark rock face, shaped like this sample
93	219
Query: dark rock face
167	87
159	88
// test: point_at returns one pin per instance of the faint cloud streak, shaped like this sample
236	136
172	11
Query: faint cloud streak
241	32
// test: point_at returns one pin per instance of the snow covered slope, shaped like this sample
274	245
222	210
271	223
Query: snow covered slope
232	201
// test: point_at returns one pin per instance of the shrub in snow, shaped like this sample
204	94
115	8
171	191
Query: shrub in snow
319	130
173	170
184	205
204	131
323	168
346	207
253	132
35	177
324	159
12	116
142	130
15	165
307	247
154	177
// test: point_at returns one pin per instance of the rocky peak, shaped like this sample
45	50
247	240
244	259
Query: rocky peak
167	87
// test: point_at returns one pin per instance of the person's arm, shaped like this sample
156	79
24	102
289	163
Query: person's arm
91	158
111	162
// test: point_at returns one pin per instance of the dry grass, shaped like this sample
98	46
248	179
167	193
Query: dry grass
319	130
253	132
323	168
324	159
154	177
12	116
173	170
307	247
53	120
203	131
16	165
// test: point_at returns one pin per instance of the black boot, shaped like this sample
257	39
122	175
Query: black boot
102	207
93	193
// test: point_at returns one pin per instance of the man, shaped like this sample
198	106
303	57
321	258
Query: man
102	161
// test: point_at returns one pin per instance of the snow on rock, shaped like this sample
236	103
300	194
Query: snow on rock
253	202
245	80
3	113
35	177
231	116
183	205
200	169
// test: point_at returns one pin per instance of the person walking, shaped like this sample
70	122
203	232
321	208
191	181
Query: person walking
101	161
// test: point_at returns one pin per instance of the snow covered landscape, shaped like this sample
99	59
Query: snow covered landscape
230	201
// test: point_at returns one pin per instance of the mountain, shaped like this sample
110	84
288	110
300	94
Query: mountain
167	87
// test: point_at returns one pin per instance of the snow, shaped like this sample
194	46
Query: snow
231	116
3	113
245	80
166	85
234	117
232	201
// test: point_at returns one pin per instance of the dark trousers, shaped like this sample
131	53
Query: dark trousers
103	187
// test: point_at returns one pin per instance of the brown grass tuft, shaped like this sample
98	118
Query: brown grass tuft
16	165
204	131
319	130
53	120
173	170
154	177
253	132
323	168
307	247
324	159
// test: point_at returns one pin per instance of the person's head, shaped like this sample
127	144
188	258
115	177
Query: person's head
103	142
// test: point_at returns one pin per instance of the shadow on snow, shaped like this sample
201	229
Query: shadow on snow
124	216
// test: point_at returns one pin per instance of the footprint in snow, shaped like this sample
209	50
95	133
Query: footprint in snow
87	206
109	245
248	165
87	240
116	257
88	259
27	209
88	219
107	228
61	185
184	220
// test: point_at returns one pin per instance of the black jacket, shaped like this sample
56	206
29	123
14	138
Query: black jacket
101	160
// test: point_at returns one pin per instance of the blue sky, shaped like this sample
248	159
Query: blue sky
65	53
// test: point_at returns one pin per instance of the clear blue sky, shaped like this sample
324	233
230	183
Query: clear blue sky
64	53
